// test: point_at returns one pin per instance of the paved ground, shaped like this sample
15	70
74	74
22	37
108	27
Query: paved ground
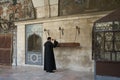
35	73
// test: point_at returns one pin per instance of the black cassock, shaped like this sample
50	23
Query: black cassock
49	60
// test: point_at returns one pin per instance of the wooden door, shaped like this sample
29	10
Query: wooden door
5	49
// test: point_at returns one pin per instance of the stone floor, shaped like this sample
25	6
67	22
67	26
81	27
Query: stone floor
36	73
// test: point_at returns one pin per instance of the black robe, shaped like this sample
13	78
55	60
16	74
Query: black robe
49	60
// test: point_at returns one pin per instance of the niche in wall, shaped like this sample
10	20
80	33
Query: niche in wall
33	53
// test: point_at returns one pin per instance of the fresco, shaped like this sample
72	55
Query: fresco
68	7
17	10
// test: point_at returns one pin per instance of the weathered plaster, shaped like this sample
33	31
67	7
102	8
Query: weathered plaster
75	58
46	8
38	12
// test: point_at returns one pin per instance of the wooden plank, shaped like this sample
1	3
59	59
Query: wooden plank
71	44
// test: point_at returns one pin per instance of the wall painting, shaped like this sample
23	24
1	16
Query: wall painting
69	7
16	10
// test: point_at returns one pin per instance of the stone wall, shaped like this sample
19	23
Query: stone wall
75	58
46	8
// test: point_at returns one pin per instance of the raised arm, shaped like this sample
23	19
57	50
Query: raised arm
55	43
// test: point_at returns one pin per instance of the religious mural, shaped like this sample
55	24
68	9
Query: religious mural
68	7
16	10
